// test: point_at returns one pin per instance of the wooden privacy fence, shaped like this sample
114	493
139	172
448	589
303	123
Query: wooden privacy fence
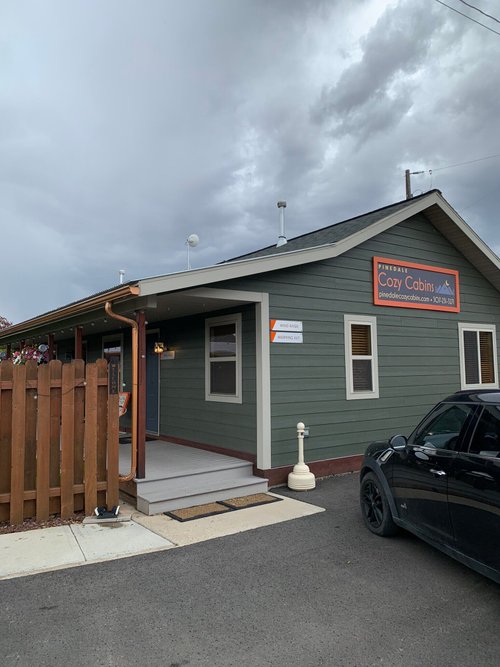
58	439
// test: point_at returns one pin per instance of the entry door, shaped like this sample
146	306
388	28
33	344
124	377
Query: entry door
152	386
422	470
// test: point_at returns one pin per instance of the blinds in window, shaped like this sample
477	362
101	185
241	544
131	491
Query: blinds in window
486	357
360	340
471	357
478	357
361	347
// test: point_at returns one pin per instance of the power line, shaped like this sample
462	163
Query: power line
409	173
467	17
460	164
480	11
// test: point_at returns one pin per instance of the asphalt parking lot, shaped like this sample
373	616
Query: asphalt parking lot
320	590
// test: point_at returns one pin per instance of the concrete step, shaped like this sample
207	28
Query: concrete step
178	483
155	502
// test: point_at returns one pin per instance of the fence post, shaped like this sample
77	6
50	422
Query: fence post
6	369
67	439
90	439
18	443
43	444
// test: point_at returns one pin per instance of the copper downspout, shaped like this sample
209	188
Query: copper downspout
135	383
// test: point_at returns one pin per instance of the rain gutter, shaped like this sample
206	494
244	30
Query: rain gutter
73	309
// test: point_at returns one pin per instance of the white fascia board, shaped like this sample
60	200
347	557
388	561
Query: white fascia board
386	223
468	231
285	260
231	270
228	294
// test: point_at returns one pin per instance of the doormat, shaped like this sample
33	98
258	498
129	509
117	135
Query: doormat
221	507
197	512
249	501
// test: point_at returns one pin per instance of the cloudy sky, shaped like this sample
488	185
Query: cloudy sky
127	125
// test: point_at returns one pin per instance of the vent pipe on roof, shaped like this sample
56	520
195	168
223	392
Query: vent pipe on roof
282	238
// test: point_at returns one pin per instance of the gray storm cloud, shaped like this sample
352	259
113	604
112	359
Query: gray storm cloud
126	126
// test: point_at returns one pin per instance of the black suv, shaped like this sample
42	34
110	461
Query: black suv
443	482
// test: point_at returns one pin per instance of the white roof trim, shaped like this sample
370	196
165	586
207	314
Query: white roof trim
468	231
285	260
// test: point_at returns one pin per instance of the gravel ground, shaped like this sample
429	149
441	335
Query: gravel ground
33	524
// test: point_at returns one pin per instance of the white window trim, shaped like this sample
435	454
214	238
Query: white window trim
463	326
234	318
372	321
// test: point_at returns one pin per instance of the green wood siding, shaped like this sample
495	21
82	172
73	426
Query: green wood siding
418	350
184	412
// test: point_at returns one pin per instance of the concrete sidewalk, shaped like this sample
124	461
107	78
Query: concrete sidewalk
59	547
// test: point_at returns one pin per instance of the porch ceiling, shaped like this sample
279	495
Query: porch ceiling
157	307
181	304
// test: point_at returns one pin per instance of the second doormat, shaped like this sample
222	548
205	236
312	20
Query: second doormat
221	507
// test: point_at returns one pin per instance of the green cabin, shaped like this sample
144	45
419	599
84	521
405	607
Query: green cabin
355	329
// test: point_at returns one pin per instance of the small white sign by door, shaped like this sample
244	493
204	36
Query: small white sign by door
286	337
286	325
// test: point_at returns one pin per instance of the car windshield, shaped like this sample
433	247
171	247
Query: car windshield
442	428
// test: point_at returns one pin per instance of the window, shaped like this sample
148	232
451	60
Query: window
223	359
112	350
361	363
478	356
442	428
486	438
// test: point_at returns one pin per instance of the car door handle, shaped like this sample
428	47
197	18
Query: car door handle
439	473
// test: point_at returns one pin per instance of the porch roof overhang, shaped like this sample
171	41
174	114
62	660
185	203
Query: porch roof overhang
72	313
173	295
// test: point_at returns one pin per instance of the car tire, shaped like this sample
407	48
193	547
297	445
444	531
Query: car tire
375	507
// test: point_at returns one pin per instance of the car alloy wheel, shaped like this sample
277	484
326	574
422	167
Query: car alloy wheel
375	508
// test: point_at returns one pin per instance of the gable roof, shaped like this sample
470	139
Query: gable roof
332	233
348	235
325	243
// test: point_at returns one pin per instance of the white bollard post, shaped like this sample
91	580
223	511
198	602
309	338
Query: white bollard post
301	478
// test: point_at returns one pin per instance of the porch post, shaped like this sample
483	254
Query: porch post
141	399
9	350
263	381
50	344
78	343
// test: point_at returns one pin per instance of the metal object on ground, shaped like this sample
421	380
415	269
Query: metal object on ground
301	478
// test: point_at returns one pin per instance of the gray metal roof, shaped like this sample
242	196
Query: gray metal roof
333	233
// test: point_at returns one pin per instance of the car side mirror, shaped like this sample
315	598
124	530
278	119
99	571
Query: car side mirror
398	441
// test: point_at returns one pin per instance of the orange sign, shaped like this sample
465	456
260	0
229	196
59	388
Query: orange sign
409	285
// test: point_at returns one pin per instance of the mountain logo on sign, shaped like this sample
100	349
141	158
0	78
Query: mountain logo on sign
445	288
